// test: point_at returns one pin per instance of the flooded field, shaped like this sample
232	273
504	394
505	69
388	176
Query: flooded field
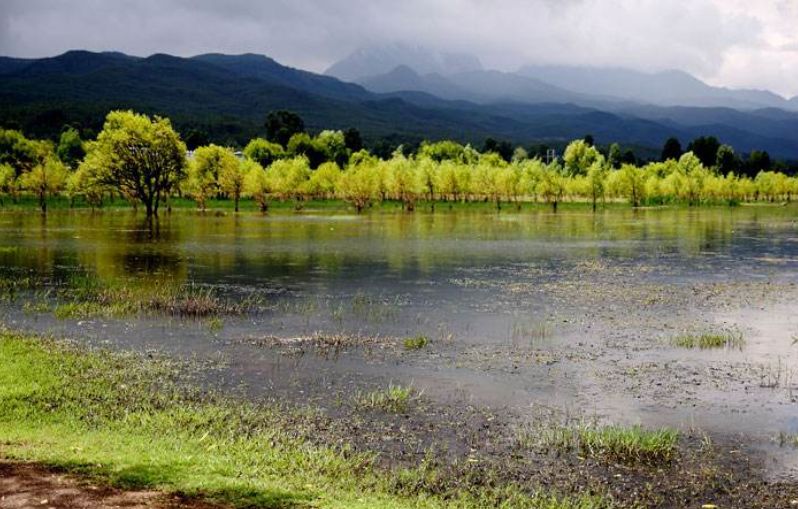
684	318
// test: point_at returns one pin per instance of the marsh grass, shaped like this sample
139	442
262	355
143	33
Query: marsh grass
136	422
415	343
393	399
729	339
82	295
534	331
622	444
787	439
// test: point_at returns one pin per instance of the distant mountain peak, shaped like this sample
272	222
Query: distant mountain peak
378	60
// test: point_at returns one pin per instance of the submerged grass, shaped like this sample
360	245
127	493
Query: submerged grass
725	339
133	422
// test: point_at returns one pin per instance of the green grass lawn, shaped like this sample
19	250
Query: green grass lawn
132	422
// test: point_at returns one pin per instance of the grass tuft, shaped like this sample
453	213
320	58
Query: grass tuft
395	399
709	340
622	444
416	343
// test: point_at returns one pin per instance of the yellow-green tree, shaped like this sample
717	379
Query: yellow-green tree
597	181
205	170
551	184
404	180
45	179
288	179
256	184
231	180
359	183
142	158
324	180
8	181
579	156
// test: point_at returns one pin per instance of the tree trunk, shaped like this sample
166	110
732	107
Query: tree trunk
554	206
236	199
43	203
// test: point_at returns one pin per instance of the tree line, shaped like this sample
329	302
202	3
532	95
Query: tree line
145	161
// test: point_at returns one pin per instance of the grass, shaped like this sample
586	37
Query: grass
416	343
82	295
394	399
788	439
709	340
133	422
629	445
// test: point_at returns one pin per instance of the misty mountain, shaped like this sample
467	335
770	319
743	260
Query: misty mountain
478	86
666	88
374	61
400	68
229	96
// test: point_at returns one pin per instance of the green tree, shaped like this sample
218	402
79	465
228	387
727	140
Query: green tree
705	149
759	160
282	125
301	144
614	156
70	148
672	150
263	152
140	157
353	140
726	160
45	179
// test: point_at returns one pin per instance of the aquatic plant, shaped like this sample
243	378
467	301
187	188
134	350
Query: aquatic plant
622	444
725	339
415	343
393	399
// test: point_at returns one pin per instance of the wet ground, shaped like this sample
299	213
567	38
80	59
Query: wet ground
530	317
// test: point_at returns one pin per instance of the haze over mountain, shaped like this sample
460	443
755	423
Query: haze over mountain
589	86
375	60
229	96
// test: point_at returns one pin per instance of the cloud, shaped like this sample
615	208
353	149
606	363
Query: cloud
749	43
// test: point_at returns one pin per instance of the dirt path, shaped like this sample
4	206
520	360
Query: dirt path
27	486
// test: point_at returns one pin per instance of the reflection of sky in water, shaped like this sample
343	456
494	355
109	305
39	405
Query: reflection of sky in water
479	283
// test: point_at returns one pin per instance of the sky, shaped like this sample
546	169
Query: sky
734	43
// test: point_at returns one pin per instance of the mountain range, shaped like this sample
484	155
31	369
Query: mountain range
229	96
401	70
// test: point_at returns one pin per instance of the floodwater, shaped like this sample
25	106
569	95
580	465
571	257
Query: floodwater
572	311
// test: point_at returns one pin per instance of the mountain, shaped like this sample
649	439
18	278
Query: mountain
479	86
404	79
229	96
666	88
374	61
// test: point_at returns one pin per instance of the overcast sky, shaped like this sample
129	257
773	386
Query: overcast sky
736	43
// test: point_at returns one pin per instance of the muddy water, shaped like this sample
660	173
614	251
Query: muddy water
573	311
